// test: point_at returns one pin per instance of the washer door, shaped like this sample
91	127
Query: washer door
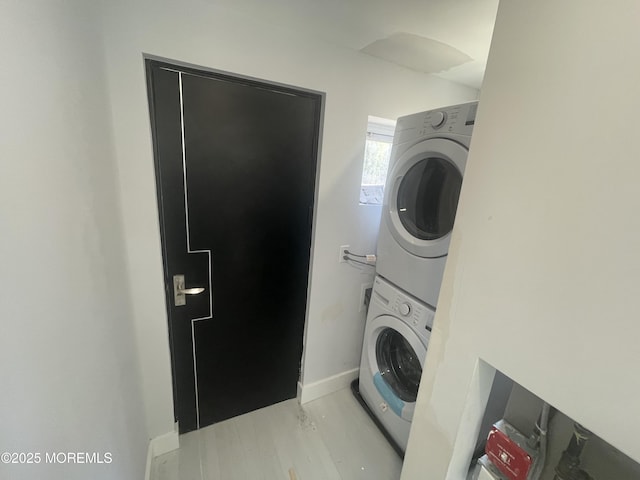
396	357
420	205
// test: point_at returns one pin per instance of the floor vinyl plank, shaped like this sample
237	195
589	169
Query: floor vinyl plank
298	440
331	438
358	449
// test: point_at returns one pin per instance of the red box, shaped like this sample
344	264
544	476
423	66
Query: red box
508	451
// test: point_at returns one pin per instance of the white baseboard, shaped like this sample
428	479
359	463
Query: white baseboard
315	390
159	446
165	443
147	468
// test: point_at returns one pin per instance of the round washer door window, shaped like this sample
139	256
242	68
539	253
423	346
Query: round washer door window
398	364
428	198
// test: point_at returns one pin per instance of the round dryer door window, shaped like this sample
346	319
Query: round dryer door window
398	364
428	198
421	201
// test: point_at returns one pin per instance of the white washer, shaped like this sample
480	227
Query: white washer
395	346
427	164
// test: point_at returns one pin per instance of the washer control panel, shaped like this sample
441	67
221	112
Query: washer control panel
415	313
405	309
386	297
437	118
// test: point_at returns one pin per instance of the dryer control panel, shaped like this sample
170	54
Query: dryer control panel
457	119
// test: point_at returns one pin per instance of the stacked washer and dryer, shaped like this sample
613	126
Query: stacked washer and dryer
428	160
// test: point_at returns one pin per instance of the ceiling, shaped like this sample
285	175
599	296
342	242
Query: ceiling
406	31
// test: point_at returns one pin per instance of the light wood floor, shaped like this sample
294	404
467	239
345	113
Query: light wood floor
329	438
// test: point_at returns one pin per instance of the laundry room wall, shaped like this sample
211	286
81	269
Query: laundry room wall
69	372
543	273
215	35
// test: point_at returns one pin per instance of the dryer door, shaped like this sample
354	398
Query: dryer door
396	356
420	205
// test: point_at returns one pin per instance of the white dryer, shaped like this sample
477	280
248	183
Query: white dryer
428	160
394	349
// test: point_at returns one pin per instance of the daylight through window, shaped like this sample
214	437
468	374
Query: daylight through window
377	152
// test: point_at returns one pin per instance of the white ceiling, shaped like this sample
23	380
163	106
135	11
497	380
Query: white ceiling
465	25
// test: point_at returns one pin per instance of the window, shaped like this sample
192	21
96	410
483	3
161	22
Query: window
377	152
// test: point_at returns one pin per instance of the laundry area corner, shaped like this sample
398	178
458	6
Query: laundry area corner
350	240
392	236
365	85
426	169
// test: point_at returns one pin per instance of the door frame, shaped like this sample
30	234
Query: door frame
149	61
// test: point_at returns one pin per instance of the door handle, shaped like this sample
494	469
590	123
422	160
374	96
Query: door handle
180	292
191	291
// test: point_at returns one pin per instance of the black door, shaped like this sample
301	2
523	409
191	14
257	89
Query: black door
235	169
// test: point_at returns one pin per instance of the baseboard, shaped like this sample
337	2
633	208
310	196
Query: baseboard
165	443
147	469
159	446
315	390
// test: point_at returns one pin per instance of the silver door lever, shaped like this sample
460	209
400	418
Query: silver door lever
180	293
191	291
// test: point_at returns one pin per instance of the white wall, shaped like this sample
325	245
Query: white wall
543	274
68	371
214	35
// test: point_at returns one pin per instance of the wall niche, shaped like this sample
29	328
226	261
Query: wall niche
520	408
